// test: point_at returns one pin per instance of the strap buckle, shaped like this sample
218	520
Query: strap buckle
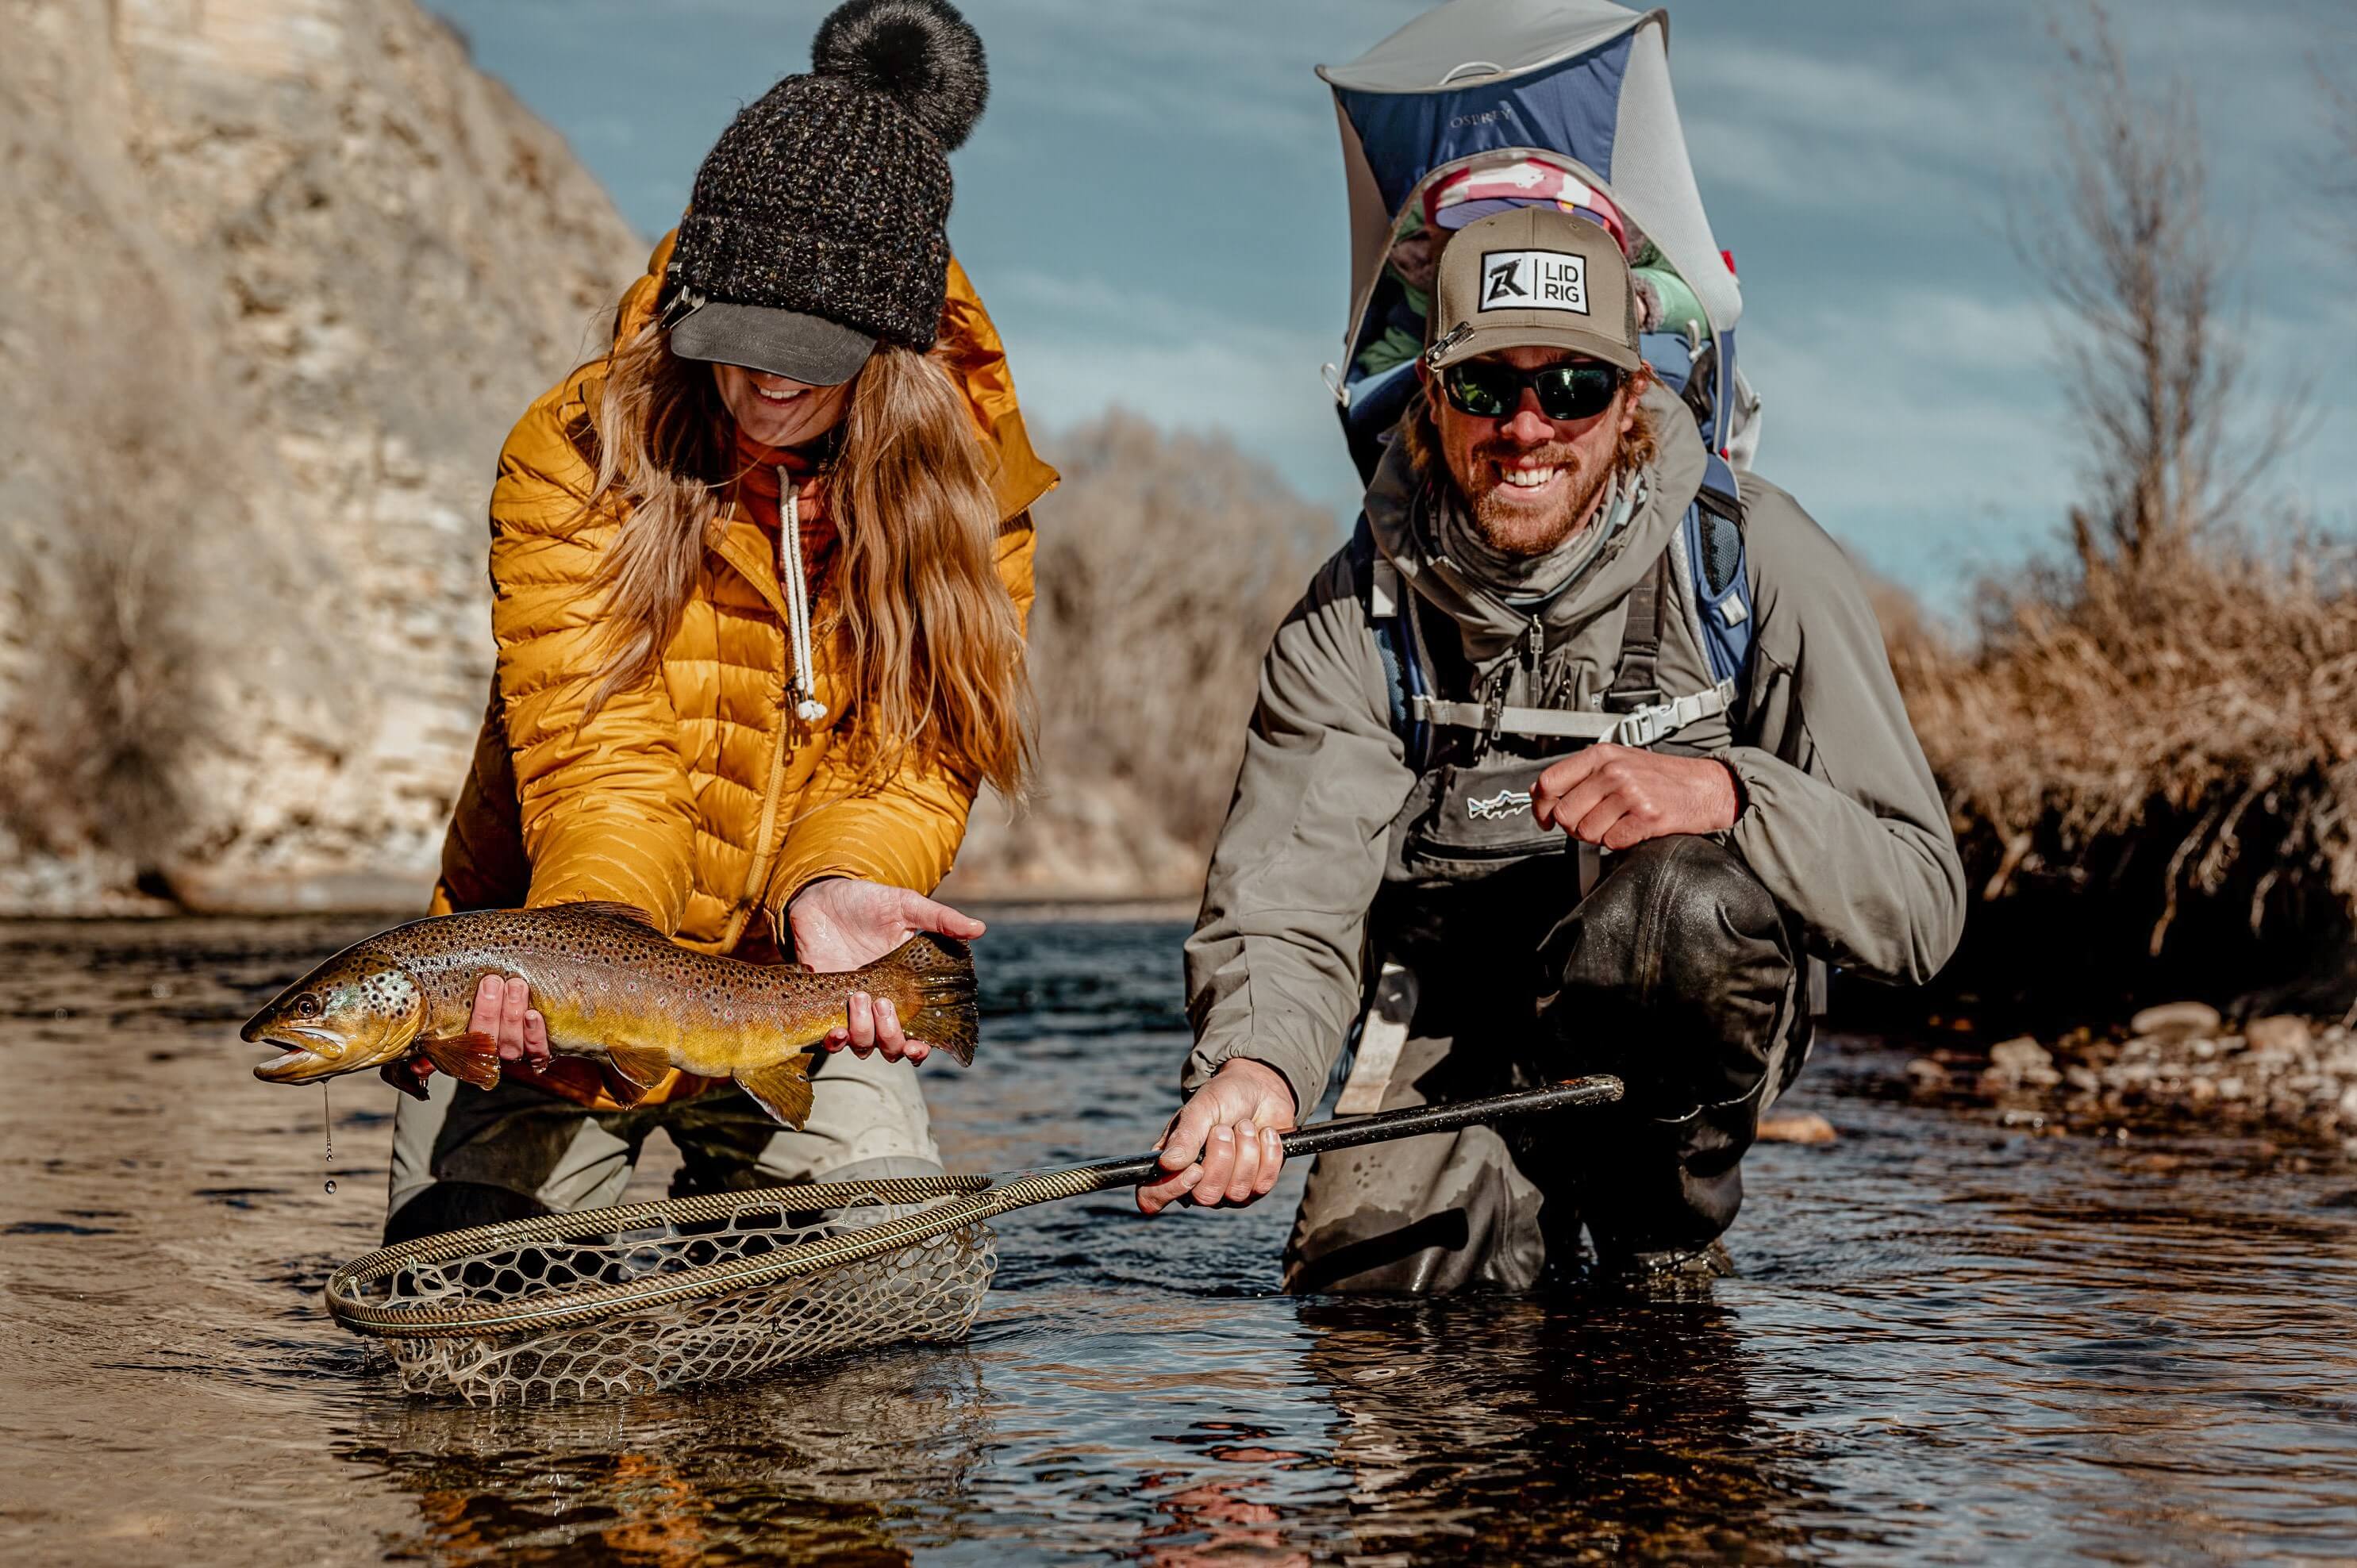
1646	727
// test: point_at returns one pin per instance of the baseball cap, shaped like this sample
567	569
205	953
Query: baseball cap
790	343
1534	276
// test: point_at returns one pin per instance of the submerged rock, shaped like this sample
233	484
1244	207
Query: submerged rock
2023	1061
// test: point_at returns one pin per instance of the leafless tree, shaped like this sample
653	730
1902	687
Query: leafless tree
2335	171
1165	562
2133	257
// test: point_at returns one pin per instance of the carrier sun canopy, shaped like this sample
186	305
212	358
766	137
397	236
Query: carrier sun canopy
1583	80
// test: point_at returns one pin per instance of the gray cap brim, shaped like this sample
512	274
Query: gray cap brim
807	349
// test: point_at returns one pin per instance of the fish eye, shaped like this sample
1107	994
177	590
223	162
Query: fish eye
307	1007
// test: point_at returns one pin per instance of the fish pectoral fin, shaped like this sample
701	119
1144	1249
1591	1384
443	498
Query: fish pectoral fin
469	1057
783	1091
632	1071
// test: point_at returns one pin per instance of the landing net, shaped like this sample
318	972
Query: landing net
612	1302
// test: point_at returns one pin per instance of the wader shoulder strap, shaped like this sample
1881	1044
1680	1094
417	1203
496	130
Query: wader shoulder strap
1637	684
1384	599
1634	713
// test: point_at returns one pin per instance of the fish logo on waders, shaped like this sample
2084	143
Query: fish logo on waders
1504	803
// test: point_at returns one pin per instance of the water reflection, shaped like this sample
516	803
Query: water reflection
856	1461
1573	1424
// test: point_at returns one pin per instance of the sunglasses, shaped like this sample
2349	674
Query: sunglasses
1491	389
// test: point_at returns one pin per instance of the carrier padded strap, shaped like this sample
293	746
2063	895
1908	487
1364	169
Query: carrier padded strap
1637	684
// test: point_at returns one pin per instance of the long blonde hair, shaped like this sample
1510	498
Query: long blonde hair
936	650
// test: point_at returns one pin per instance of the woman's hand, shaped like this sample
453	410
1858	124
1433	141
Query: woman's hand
503	1010
841	923
1235	1123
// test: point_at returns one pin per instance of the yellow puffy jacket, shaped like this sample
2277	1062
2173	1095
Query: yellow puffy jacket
694	795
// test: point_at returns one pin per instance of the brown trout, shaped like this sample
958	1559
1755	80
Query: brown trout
614	990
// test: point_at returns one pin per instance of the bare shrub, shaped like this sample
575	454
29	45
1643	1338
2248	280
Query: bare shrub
2133	259
1165	563
109	705
2198	723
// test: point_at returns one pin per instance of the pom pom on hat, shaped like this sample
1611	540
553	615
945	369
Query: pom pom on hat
921	52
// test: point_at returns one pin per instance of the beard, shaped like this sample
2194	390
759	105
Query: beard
1512	530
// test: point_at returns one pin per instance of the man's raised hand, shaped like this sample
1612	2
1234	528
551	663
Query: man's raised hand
1620	795
1234	1123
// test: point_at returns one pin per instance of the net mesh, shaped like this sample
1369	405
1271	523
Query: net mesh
630	1301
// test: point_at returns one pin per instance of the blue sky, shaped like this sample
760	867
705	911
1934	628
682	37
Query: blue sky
1153	209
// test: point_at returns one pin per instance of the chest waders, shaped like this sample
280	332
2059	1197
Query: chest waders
1538	953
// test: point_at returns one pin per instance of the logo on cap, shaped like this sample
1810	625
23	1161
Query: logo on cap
1533	280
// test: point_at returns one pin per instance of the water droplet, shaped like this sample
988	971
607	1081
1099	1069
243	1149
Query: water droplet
331	1184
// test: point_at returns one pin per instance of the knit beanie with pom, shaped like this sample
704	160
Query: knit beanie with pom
818	225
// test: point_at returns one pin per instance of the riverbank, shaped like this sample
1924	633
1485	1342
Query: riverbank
2179	1064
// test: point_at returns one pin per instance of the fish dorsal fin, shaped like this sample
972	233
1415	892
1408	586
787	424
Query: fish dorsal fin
610	909
469	1057
783	1091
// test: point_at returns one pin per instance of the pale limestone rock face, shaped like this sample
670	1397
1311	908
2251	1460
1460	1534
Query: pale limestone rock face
281	274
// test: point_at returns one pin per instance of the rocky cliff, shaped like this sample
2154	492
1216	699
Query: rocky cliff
279	274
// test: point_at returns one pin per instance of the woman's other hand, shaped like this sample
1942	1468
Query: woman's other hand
843	923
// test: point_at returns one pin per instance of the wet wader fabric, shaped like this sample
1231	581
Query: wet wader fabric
465	1150
1677	972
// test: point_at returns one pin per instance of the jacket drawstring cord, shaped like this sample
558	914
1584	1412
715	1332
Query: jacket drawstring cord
808	708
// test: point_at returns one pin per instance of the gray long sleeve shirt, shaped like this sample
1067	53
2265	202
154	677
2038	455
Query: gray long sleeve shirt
1842	820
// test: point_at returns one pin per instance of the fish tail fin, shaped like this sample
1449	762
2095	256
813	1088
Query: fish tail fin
939	970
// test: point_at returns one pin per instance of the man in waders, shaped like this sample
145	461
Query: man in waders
1582	758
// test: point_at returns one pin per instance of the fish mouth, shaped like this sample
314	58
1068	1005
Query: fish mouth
297	1062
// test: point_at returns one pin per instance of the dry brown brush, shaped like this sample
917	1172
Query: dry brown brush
2152	768
101	724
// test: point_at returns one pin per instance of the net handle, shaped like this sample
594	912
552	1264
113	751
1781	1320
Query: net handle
1351	1132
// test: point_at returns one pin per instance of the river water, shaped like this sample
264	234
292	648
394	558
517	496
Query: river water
1950	1341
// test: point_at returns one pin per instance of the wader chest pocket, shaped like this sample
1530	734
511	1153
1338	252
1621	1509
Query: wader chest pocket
1478	820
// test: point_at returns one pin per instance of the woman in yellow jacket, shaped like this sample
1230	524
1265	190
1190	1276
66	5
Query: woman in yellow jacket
759	576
